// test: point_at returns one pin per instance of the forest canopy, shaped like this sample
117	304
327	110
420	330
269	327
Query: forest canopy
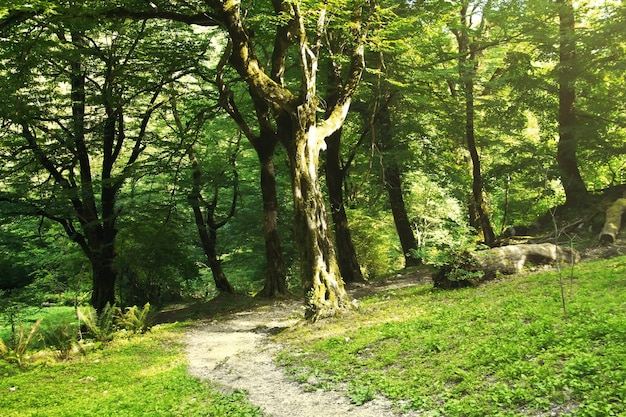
156	150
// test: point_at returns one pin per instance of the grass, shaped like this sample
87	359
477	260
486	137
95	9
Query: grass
144	375
502	349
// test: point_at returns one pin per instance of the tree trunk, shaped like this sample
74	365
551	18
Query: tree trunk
206	231
103	276
613	221
208	238
467	73
346	253
275	278
321	278
573	184
393	182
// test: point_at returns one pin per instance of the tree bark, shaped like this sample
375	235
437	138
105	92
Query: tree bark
393	183
346	252
573	184
467	72
321	279
613	221
275	278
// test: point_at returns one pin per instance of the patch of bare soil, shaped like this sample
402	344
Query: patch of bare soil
236	353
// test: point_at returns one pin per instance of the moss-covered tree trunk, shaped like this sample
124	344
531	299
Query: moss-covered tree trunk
321	278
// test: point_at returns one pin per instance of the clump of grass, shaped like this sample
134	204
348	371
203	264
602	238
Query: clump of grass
500	349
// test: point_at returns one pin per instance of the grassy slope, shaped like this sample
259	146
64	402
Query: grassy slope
143	376
503	349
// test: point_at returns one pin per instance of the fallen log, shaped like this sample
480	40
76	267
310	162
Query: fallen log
613	221
504	260
511	259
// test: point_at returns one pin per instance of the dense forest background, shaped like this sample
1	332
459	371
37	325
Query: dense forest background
159	150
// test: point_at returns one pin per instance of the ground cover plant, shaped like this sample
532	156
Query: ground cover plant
144	375
505	348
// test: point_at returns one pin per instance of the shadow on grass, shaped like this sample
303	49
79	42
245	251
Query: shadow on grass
223	304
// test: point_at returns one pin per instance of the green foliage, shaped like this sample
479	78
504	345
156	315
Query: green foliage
135	319
63	338
15	350
499	349
101	326
145	375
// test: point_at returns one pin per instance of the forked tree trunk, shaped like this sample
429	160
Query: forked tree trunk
321	278
208	238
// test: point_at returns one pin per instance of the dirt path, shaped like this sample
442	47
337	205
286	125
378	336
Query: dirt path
237	354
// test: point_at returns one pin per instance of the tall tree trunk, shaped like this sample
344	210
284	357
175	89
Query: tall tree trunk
275	277
573	184
304	140
321	278
467	73
393	183
346	253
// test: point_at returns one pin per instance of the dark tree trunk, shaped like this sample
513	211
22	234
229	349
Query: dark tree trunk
207	230
573	184
346	253
393	182
208	238
275	278
467	73
103	277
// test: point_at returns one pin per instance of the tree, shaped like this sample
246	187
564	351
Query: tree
573	184
299	130
204	211
469	51
264	143
76	115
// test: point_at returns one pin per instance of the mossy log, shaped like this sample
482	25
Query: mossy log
505	260
613	221
512	259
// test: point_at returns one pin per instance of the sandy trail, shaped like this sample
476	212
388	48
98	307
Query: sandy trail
237	354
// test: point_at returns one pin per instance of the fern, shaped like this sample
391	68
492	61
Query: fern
136	320
101	326
16	352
